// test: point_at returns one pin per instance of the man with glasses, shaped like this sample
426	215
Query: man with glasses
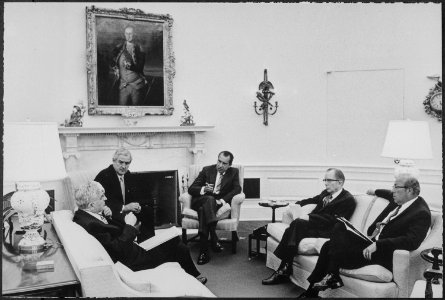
120	189
334	201
118	237
403	224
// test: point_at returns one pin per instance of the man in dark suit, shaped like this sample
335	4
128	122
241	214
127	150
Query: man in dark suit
120	190
214	186
118	237
403	224
333	202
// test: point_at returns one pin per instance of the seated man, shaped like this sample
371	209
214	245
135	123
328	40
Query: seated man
214	186
332	202
120	189
118	238
403	224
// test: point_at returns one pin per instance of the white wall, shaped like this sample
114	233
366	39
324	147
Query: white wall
221	51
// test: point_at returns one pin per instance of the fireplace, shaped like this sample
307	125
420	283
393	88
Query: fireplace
159	189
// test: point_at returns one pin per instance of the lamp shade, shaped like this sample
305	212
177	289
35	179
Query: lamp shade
408	140
32	152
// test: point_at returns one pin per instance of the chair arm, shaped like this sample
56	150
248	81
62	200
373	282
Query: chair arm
236	205
401	270
185	199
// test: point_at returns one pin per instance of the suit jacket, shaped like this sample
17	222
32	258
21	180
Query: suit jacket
110	182
325	217
117	238
405	232
229	184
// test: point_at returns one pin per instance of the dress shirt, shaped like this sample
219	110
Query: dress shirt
335	195
97	216
216	180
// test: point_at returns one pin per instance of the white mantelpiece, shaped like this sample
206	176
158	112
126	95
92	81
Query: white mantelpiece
86	147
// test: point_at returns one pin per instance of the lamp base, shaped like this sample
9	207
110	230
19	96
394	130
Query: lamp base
31	243
405	166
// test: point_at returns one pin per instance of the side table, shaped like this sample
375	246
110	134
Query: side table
60	282
260	234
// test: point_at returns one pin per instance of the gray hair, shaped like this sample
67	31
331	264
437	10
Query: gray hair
338	174
121	151
88	193
411	182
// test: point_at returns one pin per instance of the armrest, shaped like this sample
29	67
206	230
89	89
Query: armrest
185	199
401	270
236	205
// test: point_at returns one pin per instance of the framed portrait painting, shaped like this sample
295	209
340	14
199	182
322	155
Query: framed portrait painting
130	62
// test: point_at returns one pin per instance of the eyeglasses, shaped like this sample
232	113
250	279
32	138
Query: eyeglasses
330	180
399	187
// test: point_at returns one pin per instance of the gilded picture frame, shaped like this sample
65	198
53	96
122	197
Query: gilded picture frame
130	62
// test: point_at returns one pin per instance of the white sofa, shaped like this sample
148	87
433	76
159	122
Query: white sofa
370	281
100	277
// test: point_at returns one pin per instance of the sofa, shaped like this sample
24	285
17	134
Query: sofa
371	281
100	277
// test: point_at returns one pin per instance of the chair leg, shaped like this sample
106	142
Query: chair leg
235	239
184	236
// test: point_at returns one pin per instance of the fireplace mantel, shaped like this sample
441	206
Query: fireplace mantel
77	141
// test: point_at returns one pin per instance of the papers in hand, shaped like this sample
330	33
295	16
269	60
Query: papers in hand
161	236
354	230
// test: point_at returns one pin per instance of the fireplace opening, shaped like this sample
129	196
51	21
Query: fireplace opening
159	189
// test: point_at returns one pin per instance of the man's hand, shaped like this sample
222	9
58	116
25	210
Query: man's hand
132	207
130	219
208	188
368	251
370	192
107	212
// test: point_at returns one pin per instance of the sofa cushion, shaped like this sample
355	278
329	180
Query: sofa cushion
374	273
190	213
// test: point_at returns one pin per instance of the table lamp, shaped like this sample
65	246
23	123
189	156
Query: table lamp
32	154
407	140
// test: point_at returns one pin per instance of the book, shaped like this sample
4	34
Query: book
354	230
40	266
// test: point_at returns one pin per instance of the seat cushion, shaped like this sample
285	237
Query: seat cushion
374	273
222	213
190	213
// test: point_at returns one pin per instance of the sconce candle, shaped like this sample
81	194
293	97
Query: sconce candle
264	94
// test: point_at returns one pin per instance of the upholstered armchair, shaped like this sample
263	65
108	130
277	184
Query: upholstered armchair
228	219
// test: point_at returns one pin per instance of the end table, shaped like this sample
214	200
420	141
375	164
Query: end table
260	234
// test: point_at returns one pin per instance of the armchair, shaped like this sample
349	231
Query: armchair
190	217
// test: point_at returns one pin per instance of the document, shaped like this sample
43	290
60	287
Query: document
161	236
354	230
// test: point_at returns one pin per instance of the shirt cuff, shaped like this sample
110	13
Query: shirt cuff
202	190
122	209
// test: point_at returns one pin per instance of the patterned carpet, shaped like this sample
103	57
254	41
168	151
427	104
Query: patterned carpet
234	275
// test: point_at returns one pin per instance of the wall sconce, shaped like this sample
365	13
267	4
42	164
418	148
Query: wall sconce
264	95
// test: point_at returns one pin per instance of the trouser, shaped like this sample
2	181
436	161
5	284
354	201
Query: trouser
130	95
206	207
297	230
173	250
146	217
343	250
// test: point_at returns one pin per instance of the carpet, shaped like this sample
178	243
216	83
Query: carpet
234	275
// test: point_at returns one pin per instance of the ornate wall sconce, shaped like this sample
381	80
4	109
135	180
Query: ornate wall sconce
264	95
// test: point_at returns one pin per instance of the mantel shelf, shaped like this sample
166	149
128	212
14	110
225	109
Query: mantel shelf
119	130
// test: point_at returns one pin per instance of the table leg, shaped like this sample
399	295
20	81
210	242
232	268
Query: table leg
250	246
273	214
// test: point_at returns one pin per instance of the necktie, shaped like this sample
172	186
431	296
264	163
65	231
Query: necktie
326	200
121	180
379	226
218	184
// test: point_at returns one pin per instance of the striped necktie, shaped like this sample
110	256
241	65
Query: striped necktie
218	184
103	219
379	226
326	200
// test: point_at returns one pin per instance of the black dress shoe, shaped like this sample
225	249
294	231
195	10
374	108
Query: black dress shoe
217	247
202	279
310	293
203	258
279	276
330	281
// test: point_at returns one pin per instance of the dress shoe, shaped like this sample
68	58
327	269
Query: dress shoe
202	279
217	247
203	258
279	276
330	281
